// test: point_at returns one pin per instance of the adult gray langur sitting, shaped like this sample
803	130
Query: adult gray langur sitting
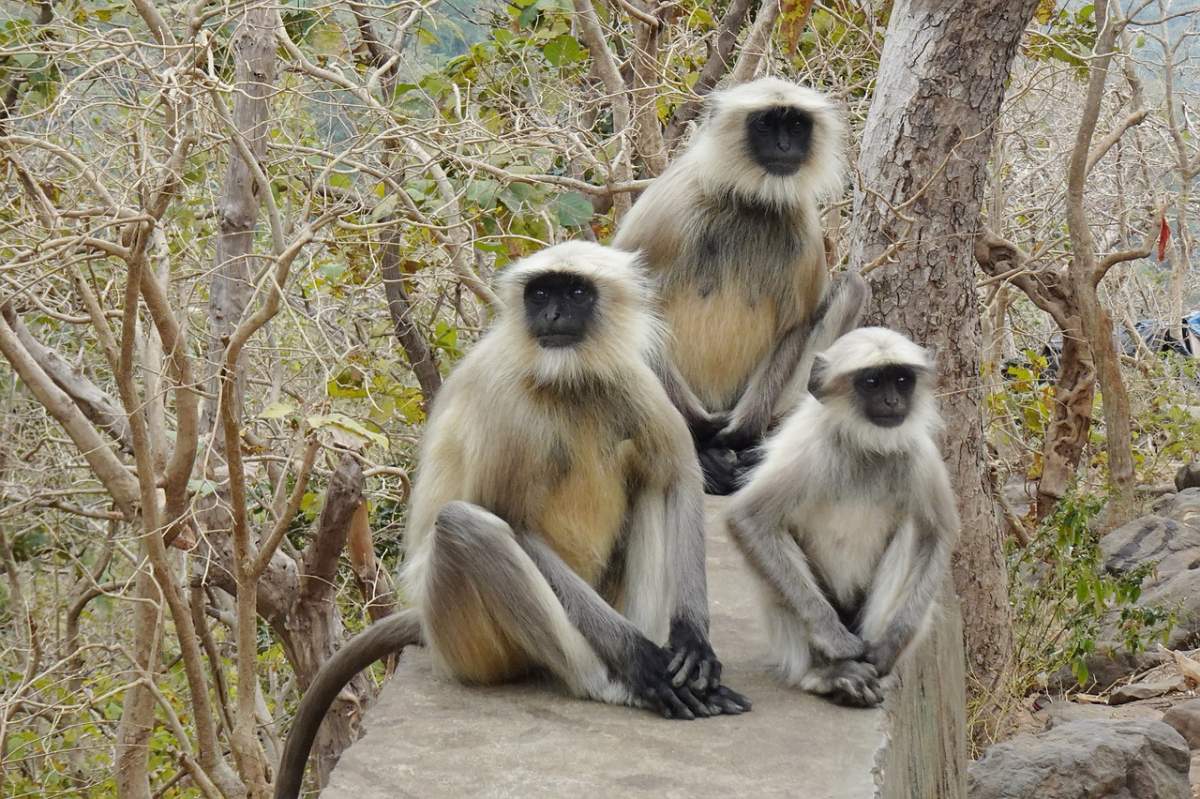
732	232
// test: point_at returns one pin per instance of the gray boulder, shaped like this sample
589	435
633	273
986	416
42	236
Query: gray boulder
1094	759
1188	476
1185	718
1169	538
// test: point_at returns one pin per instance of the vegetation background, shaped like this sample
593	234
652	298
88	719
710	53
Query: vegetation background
241	243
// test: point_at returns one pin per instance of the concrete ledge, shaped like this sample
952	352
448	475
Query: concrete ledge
428	737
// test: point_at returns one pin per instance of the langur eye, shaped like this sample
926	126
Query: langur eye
902	380
761	124
797	124
873	382
577	292
539	294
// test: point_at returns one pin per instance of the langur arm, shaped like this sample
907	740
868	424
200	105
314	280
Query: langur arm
638	663
694	663
840	311
937	526
781	563
702	424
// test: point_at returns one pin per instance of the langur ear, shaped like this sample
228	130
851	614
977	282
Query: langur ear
816	376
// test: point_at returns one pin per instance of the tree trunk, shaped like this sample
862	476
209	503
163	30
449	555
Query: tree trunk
1085	274
231	289
1070	419
926	142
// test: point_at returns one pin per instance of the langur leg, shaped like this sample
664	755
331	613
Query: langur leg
844	681
494	610
897	611
783	566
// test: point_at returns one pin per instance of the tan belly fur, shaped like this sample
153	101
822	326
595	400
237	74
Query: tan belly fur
719	341
583	515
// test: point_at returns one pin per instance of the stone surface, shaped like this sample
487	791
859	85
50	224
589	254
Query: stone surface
1107	666
1146	690
1133	759
1185	719
431	738
1188	476
1170	539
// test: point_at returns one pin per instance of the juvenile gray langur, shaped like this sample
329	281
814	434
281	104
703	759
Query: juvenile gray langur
733	233
849	521
557	520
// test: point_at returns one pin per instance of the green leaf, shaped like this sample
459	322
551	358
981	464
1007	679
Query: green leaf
563	50
383	208
202	488
340	180
516	195
343	422
277	410
332	271
573	209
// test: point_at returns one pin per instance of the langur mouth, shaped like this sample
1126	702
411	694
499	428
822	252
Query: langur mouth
782	168
558	341
888	421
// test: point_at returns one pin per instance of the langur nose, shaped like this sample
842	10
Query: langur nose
783	143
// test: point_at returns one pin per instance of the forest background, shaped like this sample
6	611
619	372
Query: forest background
242	243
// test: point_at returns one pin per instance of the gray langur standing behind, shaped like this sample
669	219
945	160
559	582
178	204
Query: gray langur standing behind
732	231
849	521
557	520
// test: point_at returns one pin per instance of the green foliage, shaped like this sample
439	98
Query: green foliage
1069	35
1064	600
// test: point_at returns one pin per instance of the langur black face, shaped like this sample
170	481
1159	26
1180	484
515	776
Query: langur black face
884	393
780	139
559	307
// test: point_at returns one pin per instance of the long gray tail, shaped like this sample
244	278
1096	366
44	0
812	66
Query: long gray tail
385	637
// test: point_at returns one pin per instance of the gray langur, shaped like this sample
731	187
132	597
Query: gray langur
557	520
849	521
732	231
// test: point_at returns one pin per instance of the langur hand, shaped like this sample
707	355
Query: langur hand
882	655
693	662
835	642
705	428
721	470
649	680
694	665
855	684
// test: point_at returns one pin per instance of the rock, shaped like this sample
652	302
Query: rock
1146	690
1185	719
1132	759
1058	712
1107	666
1188	476
432	738
1170	539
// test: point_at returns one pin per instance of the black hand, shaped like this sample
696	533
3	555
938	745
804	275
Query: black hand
696	666
720	468
704	429
650	681
738	438
693	662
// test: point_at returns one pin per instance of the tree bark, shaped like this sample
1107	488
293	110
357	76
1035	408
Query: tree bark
254	53
420	355
1085	274
923	163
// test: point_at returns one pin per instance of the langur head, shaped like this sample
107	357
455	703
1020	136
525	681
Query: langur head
770	141
577	312
876	387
